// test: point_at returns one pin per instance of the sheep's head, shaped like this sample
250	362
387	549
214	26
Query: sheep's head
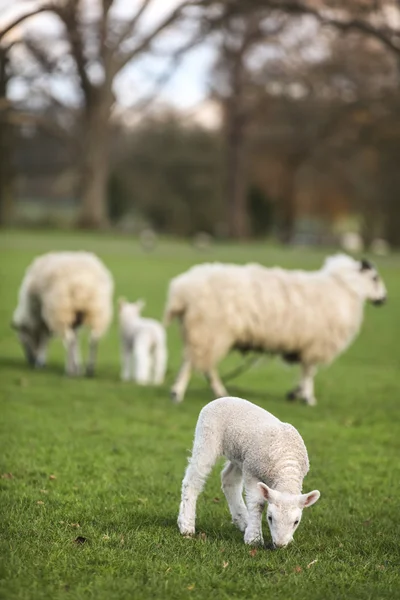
284	512
28	339
373	286
359	275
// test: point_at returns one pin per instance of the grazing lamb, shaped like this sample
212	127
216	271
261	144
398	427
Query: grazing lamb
268	456
306	317
142	343
60	292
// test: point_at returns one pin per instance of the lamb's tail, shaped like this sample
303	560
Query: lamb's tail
174	309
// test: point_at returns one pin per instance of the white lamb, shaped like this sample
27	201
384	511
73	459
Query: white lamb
143	345
60	292
307	317
268	456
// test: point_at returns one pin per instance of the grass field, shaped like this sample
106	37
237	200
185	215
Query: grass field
103	461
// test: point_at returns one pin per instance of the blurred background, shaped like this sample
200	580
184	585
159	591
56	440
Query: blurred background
234	119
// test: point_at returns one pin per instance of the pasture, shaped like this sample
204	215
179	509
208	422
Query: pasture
91	468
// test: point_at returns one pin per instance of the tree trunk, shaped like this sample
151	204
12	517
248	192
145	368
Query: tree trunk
94	167
287	206
236	179
6	148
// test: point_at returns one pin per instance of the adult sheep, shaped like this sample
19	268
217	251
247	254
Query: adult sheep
306	317
60	292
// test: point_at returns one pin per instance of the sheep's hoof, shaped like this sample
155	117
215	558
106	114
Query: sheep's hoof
89	372
39	364
293	395
175	397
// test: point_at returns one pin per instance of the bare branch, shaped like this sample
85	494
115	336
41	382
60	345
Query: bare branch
22	18
147	40
69	16
131	24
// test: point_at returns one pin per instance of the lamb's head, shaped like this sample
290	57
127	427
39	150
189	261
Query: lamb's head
359	275
130	310
284	512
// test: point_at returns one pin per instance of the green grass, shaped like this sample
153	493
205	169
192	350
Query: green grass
119	452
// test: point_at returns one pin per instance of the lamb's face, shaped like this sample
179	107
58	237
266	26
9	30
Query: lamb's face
130	310
284	513
373	286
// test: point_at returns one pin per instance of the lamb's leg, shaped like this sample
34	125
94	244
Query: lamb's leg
232	486
93	347
160	362
141	351
126	359
216	384
182	381
305	389
200	464
255	506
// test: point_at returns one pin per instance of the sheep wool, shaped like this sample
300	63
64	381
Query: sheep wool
60	292
306	317
265	455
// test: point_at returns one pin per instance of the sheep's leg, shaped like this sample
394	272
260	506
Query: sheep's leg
182	381
126	360
255	506
71	345
305	389
160	363
216	384
41	352
142	359
91	361
232	486
200	464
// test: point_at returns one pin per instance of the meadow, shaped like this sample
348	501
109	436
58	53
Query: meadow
91	468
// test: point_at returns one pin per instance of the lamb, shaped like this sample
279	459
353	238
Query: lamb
268	456
60	292
144	341
306	317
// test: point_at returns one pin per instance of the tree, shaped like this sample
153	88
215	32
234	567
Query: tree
6	126
101	46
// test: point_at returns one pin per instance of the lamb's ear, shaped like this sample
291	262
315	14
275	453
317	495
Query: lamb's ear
309	499
269	494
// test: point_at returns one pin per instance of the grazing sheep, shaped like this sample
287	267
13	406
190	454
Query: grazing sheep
143	344
306	317
60	292
268	456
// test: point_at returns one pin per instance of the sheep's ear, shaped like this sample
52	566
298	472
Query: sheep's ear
365	265
309	499
269	494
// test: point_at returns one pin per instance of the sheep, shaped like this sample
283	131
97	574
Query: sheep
306	317
144	341
60	292
268	456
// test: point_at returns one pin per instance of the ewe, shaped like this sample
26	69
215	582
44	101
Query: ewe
143	345
268	456
306	317
60	292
